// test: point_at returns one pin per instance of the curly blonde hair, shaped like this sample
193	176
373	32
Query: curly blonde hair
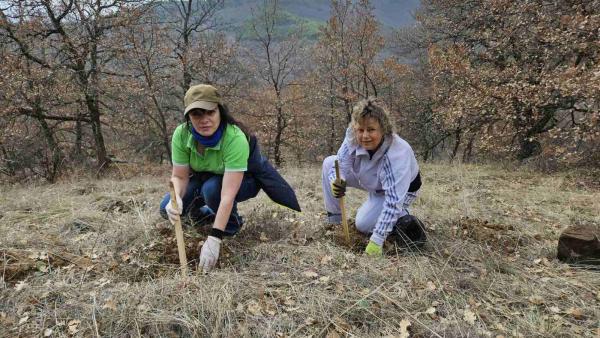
374	108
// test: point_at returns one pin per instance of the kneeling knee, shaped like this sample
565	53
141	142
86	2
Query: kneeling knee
364	227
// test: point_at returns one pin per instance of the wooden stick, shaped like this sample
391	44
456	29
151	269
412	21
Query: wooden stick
342	206
179	233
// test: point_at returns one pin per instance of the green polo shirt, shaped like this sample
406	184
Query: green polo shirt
230	154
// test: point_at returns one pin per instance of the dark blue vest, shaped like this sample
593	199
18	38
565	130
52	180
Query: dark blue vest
269	180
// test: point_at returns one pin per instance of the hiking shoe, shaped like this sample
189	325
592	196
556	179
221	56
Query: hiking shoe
202	216
334	218
409	232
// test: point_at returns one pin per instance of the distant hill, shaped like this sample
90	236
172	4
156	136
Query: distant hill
313	13
392	13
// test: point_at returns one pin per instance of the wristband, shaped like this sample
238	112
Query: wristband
218	233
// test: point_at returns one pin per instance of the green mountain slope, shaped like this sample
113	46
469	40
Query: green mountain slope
236	14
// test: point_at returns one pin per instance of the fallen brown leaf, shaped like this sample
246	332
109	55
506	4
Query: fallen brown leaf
332	334
430	311
469	317
577	313
310	274
537	300
326	259
23	320
554	309
73	326
324	279
110	305
254	308
309	321
404	324
20	286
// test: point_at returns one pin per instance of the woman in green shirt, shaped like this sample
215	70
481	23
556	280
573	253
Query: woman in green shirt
210	156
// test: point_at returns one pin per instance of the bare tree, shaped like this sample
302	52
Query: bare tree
346	59
276	61
194	19
147	58
334	55
366	46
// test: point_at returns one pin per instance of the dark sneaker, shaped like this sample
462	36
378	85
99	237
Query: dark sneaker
202	216
409	232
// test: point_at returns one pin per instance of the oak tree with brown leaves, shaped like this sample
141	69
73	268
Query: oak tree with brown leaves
72	38
517	78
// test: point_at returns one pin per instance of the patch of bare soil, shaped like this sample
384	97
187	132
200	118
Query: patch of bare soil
499	237
18	264
160	257
358	241
120	206
157	258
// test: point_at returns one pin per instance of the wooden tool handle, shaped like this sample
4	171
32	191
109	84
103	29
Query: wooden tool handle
337	170
342	206
179	233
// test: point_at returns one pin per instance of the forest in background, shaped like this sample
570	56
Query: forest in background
88	83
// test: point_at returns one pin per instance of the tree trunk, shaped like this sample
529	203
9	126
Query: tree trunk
186	35
278	134
101	155
91	99
161	123
347	107
529	146
468	150
78	149
53	168
457	140
9	168
187	76
332	144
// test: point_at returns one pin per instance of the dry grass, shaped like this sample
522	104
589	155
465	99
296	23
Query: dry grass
93	258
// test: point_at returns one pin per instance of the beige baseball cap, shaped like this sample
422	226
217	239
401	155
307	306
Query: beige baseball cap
201	96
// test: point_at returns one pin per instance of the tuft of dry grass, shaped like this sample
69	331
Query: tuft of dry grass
93	258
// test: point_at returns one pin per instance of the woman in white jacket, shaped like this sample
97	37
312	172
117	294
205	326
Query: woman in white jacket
374	158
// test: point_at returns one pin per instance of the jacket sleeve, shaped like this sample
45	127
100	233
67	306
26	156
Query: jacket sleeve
344	157
395	177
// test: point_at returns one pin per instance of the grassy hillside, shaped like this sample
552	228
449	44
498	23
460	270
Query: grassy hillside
89	258
287	23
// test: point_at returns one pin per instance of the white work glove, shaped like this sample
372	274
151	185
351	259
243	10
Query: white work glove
209	253
172	212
